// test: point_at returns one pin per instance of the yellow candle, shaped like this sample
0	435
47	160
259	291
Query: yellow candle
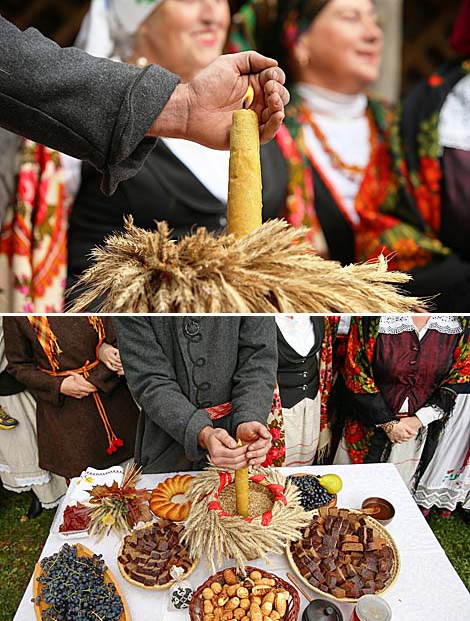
244	210
241	489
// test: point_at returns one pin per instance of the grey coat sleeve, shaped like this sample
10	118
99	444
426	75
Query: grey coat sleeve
256	372
91	108
153	383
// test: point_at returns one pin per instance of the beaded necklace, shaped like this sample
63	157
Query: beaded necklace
351	171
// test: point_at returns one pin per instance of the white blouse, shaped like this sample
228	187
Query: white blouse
342	118
298	332
454	119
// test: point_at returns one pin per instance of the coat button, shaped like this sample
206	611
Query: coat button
413	361
222	220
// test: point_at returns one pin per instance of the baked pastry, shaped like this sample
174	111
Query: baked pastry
148	554
162	503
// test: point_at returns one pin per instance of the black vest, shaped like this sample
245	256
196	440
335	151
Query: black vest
297	376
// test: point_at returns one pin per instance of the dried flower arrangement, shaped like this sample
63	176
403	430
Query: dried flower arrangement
214	532
118	507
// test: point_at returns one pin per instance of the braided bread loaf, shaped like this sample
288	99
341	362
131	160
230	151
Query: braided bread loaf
161	501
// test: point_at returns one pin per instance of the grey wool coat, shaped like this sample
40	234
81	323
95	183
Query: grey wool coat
178	366
91	108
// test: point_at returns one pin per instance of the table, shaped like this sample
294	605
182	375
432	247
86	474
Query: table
427	587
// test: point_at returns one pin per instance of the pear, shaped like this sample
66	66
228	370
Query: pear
331	482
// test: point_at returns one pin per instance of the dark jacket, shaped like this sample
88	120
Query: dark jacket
91	108
178	366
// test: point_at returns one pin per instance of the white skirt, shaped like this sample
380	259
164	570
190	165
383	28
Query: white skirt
446	481
405	456
302	431
19	469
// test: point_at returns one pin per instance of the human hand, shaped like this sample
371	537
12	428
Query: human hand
257	437
201	110
401	432
76	386
109	356
222	448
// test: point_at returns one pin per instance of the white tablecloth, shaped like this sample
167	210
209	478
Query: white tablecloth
428	588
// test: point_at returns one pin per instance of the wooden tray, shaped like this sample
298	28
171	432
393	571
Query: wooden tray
157	587
383	532
108	577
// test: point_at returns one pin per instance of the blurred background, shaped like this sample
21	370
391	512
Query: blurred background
416	33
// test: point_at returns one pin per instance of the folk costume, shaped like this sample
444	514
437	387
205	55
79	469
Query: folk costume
97	430
435	126
190	372
348	180
304	374
19	468
182	182
33	240
394	371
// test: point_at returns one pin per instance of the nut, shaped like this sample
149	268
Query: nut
207	606
208	593
230	577
232	604
268	581
221	601
242	592
238	613
256	575
255	612
216	587
232	589
245	604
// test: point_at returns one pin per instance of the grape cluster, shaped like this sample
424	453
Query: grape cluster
74	588
313	495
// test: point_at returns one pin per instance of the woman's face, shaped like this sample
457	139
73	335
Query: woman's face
184	36
342	48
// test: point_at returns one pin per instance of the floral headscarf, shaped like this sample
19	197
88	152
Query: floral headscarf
273	26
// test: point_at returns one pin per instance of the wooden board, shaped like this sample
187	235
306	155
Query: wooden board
108	577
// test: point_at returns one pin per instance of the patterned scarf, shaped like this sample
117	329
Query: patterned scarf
415	135
384	226
326	381
48	340
33	239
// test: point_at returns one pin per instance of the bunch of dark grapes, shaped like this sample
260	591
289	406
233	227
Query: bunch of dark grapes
74	588
313	495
